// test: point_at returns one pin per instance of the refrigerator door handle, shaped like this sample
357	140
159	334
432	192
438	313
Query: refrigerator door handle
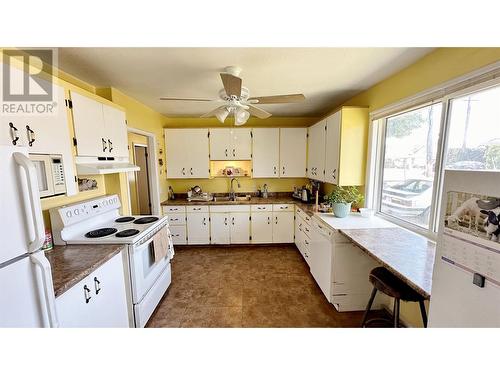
46	287
34	200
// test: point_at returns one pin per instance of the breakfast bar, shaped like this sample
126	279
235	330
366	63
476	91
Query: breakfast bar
406	254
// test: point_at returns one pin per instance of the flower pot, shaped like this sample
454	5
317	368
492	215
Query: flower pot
341	209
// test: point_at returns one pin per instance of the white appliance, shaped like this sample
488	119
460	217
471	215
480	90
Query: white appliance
98	221
466	279
50	174
26	292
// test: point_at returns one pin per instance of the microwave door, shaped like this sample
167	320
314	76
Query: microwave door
43	173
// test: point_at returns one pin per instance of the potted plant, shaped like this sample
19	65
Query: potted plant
341	199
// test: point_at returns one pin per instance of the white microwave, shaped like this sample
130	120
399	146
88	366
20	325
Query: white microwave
50	174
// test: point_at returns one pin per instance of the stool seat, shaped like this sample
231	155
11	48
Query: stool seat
388	283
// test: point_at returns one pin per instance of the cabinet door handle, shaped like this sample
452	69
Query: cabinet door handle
191	171
234	152
13	133
307	243
225	221
31	135
232	220
97	285
86	292
104	147
276	219
183	171
333	174
225	152
283	170
110	144
204	221
196	209
268	220
274	169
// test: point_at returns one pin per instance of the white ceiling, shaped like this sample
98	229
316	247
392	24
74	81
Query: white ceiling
326	76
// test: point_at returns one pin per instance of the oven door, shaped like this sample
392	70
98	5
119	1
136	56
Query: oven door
144	269
44	174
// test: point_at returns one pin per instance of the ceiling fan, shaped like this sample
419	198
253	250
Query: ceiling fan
236	99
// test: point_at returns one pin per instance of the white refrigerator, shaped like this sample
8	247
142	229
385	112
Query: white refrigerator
466	278
26	290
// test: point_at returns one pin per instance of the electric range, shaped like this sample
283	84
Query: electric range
98	221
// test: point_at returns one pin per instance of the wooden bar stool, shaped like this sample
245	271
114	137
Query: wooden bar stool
386	282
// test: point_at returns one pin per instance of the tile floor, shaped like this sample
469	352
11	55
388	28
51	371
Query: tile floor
245	286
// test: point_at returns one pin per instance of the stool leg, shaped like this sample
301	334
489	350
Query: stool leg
424	314
369	306
396	312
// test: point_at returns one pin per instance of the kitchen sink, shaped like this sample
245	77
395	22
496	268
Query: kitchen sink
238	198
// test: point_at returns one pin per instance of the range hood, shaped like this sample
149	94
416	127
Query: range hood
105	167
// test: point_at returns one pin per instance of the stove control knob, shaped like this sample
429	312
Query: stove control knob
76	211
68	214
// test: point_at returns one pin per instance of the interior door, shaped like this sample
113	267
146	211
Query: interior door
265	152
293	152
241	144
262	227
142	180
220	144
198	228
89	127
332	150
197	153
240	227
116	131
219	228
283	227
316	151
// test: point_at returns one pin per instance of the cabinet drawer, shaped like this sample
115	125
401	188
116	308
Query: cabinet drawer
178	234
233	208
174	209
177	219
261	207
306	228
196	209
303	215
283	207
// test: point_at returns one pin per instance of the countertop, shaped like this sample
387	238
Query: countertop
404	253
72	263
353	221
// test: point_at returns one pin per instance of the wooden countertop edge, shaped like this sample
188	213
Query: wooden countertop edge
416	287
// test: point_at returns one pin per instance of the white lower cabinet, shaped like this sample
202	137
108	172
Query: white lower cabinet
240	227
99	300
321	257
282	227
219	228
179	235
262	227
198	228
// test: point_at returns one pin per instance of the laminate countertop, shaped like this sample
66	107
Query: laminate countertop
404	253
306	207
72	263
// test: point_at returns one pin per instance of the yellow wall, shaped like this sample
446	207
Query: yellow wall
273	121
437	67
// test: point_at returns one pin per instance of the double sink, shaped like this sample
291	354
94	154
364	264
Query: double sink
236	198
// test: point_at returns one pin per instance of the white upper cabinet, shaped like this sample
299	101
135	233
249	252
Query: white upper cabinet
316	151
100	129
116	129
332	151
266	152
293	154
187	153
230	144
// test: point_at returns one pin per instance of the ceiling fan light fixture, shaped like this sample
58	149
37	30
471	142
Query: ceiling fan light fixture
241	117
222	114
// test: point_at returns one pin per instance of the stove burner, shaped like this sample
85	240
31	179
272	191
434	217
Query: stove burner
127	233
101	232
146	220
124	219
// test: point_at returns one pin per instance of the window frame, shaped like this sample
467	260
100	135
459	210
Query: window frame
376	152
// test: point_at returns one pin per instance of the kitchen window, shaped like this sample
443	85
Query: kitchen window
456	128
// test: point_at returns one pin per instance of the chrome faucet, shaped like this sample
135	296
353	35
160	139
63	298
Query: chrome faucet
232	194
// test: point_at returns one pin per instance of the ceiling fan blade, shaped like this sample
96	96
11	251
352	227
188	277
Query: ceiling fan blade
189	99
290	98
232	84
213	112
257	112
